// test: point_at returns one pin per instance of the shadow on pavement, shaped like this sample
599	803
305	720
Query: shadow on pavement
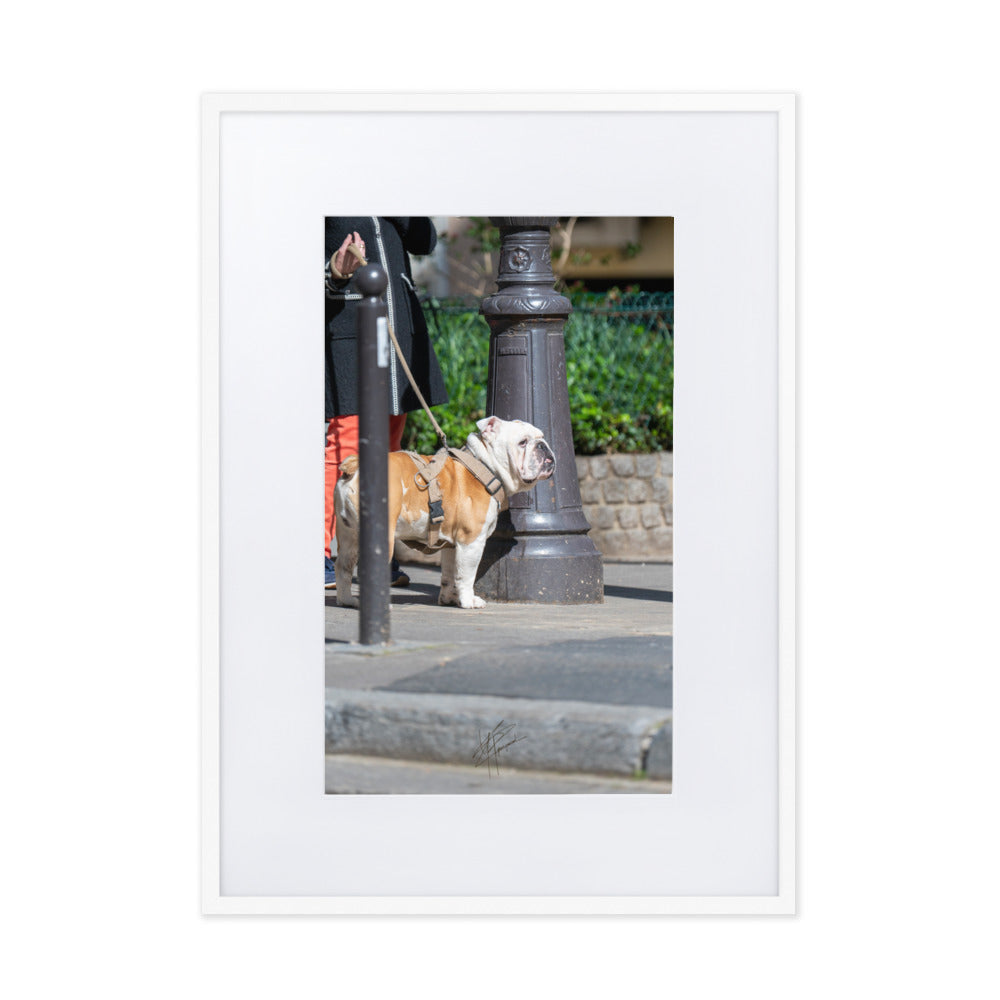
638	593
415	593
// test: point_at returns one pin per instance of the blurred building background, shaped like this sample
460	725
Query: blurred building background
599	252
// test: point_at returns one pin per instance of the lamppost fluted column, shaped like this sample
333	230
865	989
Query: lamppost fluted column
540	551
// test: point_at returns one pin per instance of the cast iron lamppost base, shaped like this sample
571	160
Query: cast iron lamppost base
540	552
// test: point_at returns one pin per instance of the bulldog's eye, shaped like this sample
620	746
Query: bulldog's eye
522	442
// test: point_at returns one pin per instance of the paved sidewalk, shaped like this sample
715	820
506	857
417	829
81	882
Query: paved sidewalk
581	690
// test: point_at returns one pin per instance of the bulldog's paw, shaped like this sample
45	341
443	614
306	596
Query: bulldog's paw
453	598
346	601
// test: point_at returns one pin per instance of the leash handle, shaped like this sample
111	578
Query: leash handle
357	253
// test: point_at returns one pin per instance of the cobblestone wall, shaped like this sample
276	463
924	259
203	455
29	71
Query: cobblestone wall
628	500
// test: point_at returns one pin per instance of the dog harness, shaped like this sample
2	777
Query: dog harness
426	479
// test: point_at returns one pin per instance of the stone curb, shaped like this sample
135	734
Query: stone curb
567	736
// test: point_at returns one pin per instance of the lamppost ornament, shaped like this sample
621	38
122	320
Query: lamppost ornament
519	259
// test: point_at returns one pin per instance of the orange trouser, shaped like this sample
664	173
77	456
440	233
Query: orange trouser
341	441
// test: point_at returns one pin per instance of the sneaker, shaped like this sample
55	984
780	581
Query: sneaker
397	578
331	579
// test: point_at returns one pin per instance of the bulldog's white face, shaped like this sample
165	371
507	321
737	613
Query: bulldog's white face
519	449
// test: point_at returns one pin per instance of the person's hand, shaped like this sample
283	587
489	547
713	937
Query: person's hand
344	262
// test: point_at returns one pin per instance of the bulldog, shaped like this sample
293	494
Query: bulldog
515	456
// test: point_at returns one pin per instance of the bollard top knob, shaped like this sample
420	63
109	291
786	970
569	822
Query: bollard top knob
371	279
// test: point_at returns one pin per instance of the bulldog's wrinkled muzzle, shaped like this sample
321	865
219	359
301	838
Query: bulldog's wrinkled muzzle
543	460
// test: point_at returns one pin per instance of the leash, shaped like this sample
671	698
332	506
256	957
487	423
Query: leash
442	439
427	472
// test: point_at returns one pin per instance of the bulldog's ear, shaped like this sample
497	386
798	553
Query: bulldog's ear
488	428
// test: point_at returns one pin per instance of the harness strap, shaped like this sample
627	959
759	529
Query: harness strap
479	469
428	471
425	478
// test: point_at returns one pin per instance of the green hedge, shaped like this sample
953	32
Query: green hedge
619	371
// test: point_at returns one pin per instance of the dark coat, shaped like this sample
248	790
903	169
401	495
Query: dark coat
388	241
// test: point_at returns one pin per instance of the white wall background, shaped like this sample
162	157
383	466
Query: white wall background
898	216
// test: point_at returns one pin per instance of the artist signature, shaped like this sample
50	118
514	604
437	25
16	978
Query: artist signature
492	744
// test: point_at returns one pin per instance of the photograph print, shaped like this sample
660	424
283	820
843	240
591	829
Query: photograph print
498	566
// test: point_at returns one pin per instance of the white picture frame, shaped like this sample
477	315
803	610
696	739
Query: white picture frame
723	166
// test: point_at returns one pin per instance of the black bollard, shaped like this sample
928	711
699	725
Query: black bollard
540	551
373	450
